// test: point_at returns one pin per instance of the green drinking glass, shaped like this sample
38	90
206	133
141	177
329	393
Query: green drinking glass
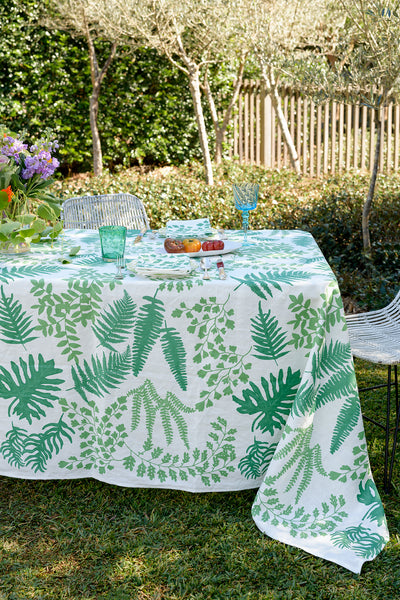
112	241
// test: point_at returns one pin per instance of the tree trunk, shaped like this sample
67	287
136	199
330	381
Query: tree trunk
96	143
277	104
97	77
194	84
272	85
220	129
368	202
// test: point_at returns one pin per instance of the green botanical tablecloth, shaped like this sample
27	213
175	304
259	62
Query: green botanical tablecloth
192	384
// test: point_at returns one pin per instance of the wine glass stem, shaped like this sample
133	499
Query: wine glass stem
245	223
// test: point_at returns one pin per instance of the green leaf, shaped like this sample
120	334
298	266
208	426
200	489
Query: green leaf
147	331
175	355
32	388
103	375
272	403
15	326
115	325
269	338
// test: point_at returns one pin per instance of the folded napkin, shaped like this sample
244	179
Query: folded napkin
161	265
191	228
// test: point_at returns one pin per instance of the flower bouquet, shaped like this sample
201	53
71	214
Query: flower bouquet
29	212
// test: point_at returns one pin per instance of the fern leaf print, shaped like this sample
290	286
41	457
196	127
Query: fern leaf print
147	331
175	355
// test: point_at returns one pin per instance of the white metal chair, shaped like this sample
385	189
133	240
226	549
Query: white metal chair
91	212
375	337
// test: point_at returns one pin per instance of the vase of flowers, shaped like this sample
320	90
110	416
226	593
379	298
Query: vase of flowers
29	212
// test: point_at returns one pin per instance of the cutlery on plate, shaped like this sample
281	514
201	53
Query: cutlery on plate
220	267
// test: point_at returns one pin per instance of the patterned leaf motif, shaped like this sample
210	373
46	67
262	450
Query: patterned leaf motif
296	520
147	331
103	375
309	460
348	418
8	274
40	446
170	408
272	406
175	355
269	338
261	284
15	325
361	540
13	447
328	365
258	456
31	388
114	326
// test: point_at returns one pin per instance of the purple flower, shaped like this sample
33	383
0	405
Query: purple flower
41	164
13	148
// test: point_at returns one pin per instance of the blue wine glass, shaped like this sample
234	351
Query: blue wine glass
246	196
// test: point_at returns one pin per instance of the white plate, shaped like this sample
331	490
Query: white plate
229	246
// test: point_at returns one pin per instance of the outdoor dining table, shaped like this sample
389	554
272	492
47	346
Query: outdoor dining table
185	383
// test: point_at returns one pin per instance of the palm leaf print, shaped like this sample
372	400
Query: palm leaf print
170	409
13	447
271	405
147	331
8	274
31	388
114	326
328	365
40	446
175	355
269	338
15	325
261	284
258	456
333	357
104	374
348	419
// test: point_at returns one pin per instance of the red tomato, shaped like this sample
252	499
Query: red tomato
212	245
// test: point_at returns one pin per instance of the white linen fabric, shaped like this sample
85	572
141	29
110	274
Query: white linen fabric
195	385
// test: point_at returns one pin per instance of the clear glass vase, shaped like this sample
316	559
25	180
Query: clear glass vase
12	247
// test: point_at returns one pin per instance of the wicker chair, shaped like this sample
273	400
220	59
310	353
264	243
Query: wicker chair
375	337
91	212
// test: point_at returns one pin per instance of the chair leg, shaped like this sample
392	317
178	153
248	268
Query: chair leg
386	483
396	429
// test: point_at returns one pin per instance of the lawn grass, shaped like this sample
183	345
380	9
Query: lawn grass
88	540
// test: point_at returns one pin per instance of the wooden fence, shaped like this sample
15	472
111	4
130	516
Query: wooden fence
329	138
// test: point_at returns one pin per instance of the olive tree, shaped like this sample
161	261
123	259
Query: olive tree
279	30
79	18
193	35
365	70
